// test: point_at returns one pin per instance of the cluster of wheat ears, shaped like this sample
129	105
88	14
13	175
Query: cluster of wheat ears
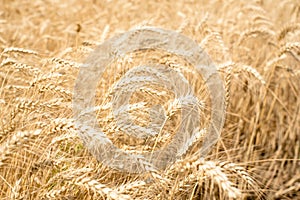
255	46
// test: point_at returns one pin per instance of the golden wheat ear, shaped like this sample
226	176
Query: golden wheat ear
292	48
19	50
287	29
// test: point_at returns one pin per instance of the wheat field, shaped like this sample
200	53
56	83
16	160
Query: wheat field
255	46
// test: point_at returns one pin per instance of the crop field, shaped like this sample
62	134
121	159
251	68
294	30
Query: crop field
255	48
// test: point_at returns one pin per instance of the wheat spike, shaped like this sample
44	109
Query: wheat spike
252	71
15	192
215	172
45	77
293	48
287	29
15	142
203	169
60	63
267	33
94	185
19	50
55	194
